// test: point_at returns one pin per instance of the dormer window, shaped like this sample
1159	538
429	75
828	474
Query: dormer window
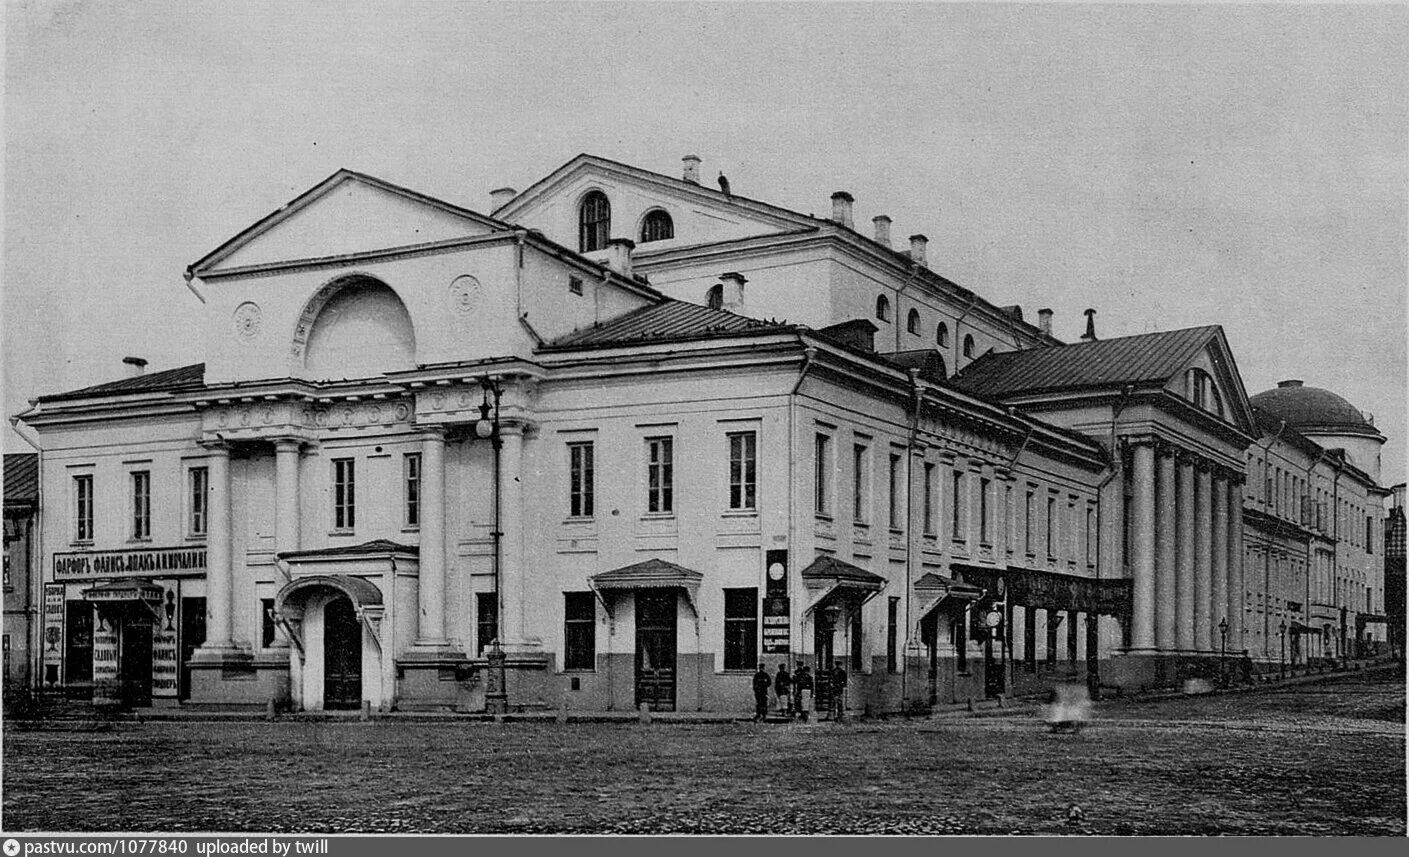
594	222
883	308
657	227
968	346
912	322
941	335
714	298
1199	389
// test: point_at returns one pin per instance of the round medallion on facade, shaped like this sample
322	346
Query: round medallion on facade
402	412
464	293
248	319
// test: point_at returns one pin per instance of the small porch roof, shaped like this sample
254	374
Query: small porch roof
650	574
363	593
935	591
827	576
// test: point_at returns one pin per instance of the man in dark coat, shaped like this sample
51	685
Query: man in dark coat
838	692
783	687
802	685
762	684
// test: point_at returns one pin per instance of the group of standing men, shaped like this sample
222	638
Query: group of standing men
793	692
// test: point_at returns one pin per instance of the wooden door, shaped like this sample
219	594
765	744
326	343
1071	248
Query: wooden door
134	663
192	638
342	656
655	649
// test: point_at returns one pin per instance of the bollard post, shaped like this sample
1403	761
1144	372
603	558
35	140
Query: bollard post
366	710
269	711
971	704
496	695
645	714
563	709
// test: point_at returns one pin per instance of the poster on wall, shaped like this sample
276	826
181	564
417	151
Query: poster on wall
166	661
105	683
53	657
777	632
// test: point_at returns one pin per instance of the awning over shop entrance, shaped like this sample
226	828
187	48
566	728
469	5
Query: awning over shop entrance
1299	628
650	574
937	592
829	577
127	592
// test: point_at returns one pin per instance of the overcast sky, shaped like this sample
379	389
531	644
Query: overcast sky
1169	165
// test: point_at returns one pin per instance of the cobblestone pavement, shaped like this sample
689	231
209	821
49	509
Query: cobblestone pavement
1325	759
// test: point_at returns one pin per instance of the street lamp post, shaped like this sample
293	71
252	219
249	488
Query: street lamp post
1223	651
1282	634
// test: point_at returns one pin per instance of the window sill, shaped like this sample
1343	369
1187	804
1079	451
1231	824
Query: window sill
338	533
81	543
823	516
579	520
196	537
140	540
739	513
411	528
578	671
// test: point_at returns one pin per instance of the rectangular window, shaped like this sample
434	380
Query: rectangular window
582	479
1051	525
575	285
486	621
895	504
266	612
743	470
1090	536
141	504
892	634
1029	514
411	472
821	470
957	503
858	482
984	535
1369	535
929	499
200	488
660	475
579	631
344	494
741	629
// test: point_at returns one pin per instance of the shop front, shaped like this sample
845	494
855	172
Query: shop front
656	588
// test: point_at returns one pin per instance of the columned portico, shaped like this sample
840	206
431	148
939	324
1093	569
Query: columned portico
1218	595
513	600
1235	565
430	632
214	660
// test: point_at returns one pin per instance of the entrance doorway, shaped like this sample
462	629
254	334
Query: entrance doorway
824	627
342	655
134	662
655	648
192	638
929	635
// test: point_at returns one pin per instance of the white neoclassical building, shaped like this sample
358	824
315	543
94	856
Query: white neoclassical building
642	435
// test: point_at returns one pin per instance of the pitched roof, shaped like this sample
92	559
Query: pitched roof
1147	358
665	322
647	574
167	381
21	477
841	571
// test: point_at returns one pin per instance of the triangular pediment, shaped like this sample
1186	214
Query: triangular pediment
700	213
1222	391
345	215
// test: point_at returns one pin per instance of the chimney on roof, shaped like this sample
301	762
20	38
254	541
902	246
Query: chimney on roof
619	255
882	229
692	169
918	243
1288	383
841	208
499	197
1044	321
136	366
1090	334
733	291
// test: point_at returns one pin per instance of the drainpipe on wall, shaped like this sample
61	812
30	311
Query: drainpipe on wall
910	446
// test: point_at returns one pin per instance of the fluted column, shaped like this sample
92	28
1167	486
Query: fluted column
1236	584
1142	548
1203	555
1184	575
220	572
431	631
1218	596
1166	594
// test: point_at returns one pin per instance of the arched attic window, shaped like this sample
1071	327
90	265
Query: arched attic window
883	308
714	298
912	322
1199	389
594	220
941	335
657	226
968	345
